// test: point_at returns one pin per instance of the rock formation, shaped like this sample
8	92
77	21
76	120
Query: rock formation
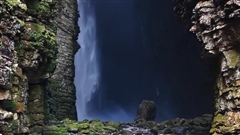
199	125
216	25
146	111
37	47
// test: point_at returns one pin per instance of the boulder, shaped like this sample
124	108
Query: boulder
146	111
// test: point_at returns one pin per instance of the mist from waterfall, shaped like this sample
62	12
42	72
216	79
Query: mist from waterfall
129	52
86	59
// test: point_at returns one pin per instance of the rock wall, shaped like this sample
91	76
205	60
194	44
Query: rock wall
216	25
61	94
37	46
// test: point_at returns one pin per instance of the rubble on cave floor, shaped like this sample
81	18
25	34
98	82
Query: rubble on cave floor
198	125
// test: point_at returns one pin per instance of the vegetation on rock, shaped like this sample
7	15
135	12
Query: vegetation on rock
9	105
199	125
84	127
28	52
216	25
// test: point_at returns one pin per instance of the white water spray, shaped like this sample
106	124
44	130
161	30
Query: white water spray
86	59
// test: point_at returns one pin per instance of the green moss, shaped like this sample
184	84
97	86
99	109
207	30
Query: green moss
51	65
84	125
93	127
44	7
14	89
41	8
113	124
85	131
14	124
73	126
1	58
0	41
22	23
32	4
96	127
56	130
219	118
15	80
109	128
232	57
69	125
14	3
9	105
43	38
37	27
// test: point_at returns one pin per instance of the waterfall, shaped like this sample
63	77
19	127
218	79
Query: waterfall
86	59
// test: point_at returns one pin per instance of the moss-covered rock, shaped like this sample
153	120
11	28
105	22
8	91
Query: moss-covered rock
199	125
113	124
96	126
9	105
55	130
16	3
14	124
42	38
37	50
93	127
83	125
28	58
41	8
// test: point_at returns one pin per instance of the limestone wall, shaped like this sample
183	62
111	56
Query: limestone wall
37	46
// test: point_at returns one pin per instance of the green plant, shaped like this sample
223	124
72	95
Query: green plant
32	4
9	105
51	65
14	124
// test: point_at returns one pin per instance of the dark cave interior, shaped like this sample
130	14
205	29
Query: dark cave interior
147	54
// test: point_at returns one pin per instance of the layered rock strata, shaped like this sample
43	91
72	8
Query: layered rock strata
37	39
61	94
216	25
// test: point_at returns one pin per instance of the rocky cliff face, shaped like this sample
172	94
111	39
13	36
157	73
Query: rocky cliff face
216	25
37	46
60	88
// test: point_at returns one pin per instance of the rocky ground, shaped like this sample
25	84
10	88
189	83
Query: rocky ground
140	126
199	125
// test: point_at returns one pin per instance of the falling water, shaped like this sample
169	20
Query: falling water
86	59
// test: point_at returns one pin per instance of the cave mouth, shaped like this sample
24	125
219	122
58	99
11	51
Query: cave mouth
145	54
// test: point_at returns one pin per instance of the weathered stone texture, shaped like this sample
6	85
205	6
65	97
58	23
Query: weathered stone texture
61	93
146	111
12	101
31	31
216	25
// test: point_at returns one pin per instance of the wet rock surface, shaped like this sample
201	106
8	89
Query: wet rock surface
61	93
216	25
199	125
146	111
37	45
